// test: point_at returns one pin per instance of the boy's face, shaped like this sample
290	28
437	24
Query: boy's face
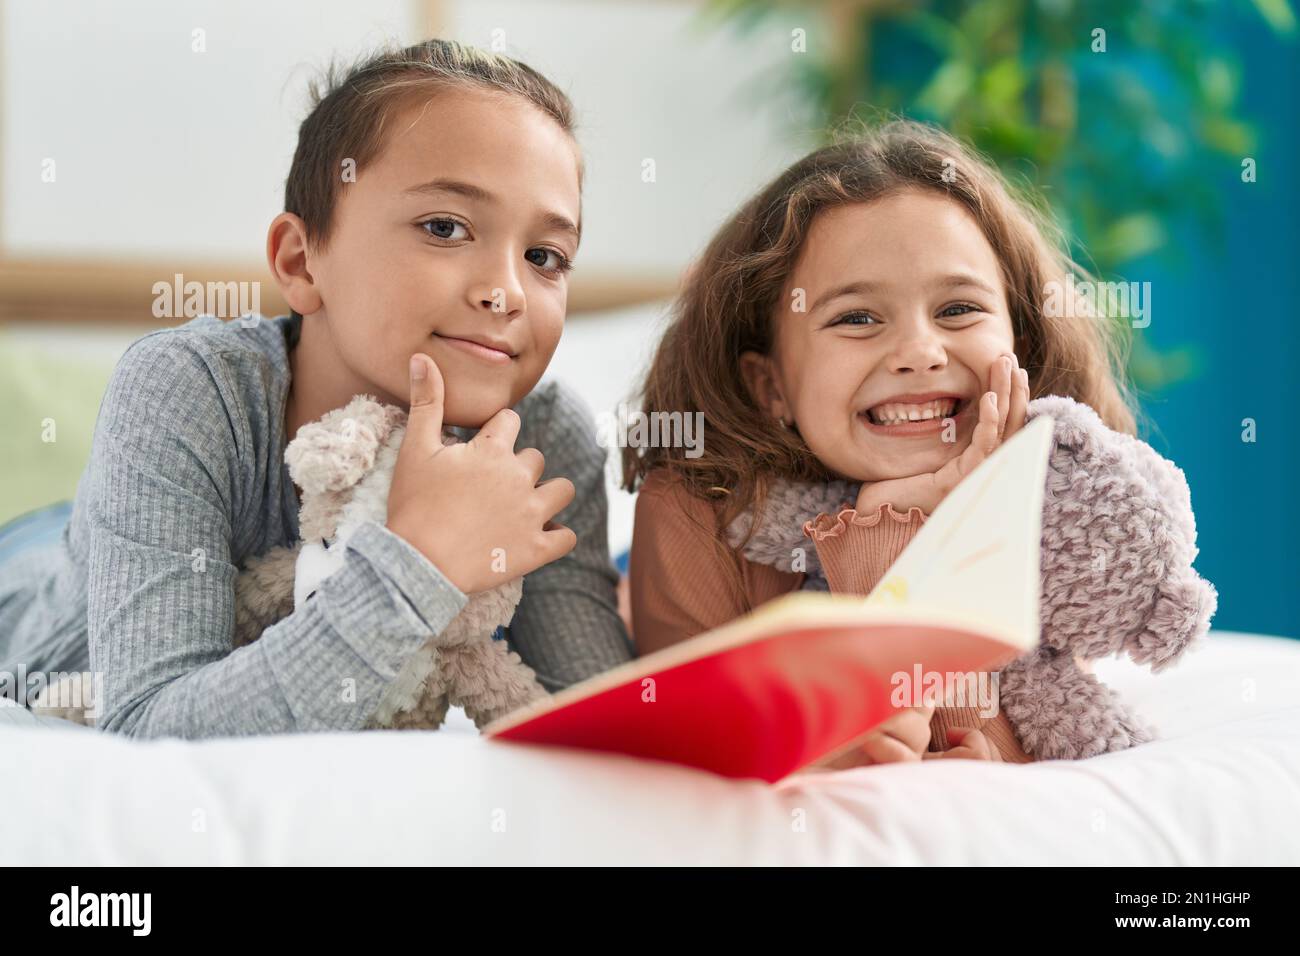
453	236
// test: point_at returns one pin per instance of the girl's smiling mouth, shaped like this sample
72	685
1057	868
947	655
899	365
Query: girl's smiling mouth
913	414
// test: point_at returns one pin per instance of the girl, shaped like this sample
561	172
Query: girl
432	215
864	319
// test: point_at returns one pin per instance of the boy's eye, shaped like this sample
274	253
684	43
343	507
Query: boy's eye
444	228
849	319
549	260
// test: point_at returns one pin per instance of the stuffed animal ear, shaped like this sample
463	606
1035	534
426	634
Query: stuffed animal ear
336	452
1119	538
1184	601
1179	620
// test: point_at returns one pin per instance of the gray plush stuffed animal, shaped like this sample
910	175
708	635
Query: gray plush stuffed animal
1118	541
344	465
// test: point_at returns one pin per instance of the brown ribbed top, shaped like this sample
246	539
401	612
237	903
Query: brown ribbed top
681	588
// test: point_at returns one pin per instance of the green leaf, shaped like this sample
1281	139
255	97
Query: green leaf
1277	13
1228	136
1218	82
946	88
1004	82
1153	370
1130	237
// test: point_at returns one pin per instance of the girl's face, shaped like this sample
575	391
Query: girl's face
904	314
454	242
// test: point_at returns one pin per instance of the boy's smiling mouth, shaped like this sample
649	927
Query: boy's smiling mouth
488	349
913	414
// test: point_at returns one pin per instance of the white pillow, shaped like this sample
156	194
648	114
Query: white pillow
1216	790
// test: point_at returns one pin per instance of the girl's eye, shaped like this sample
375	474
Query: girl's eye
966	308
444	228
848	317
549	260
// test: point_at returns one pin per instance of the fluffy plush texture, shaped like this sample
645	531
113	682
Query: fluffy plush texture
1118	541
344	465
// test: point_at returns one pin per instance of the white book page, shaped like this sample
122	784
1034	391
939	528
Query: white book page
972	566
976	556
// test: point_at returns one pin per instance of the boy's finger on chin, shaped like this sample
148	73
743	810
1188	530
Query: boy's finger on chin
425	414
501	429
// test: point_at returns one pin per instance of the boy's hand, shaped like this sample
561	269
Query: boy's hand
1002	412
458	504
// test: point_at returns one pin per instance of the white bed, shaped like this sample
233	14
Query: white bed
1220	787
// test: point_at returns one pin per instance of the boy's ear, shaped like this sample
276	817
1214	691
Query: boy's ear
760	378
286	254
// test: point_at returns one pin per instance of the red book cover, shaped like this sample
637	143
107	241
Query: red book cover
805	676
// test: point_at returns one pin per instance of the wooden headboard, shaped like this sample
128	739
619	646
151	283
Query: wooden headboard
122	292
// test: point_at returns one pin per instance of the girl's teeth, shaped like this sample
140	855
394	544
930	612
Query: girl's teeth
895	413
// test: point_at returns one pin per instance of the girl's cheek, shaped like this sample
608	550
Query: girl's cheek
980	360
841	383
993	343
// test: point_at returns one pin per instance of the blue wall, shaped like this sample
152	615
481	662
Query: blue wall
1237	303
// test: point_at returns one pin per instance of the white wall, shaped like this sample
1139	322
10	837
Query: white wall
159	149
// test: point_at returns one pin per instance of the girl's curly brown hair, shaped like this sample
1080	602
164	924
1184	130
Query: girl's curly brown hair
729	304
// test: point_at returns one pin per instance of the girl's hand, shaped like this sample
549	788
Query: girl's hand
1002	412
971	745
458	504
899	739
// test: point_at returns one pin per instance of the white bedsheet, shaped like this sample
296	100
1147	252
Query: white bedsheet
1220	787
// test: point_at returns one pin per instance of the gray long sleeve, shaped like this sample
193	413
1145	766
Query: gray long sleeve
567	626
170	490
186	481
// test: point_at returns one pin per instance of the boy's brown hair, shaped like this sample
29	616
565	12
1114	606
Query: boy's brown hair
730	304
351	107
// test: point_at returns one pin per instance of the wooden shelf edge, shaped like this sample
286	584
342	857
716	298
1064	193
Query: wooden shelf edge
122	291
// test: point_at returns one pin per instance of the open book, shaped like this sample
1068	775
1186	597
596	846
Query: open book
805	676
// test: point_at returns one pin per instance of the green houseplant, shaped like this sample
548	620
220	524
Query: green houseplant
1124	114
